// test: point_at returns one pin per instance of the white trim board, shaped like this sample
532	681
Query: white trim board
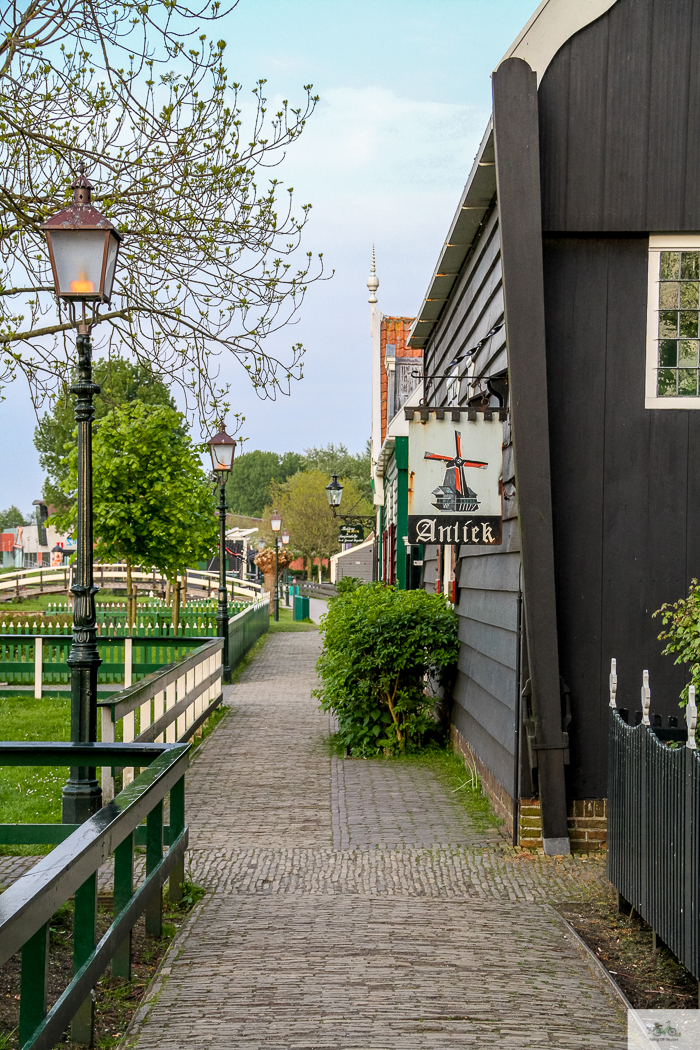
553	23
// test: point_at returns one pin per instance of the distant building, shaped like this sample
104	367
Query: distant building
397	370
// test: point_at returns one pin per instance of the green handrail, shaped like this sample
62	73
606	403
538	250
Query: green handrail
71	868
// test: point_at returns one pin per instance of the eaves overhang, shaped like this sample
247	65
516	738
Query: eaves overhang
477	199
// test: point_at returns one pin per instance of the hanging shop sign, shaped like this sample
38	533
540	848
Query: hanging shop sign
454	490
351	534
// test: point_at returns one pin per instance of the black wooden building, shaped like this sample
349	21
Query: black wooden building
580	226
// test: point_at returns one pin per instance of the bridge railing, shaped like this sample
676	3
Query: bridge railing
40	580
70	870
167	706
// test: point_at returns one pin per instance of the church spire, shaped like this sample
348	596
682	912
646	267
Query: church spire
373	281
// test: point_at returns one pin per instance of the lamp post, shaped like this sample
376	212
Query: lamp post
276	525
285	541
222	449
83	248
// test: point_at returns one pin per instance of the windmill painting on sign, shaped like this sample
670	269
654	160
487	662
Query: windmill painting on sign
454	493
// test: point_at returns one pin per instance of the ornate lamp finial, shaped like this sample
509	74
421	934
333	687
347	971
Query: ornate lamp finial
691	719
613	682
373	281
646	699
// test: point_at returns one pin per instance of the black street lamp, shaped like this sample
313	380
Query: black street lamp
83	248
276	525
334	491
222	449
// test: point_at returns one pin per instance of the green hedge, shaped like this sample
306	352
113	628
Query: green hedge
382	649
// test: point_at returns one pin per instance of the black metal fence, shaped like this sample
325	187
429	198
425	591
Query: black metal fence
654	825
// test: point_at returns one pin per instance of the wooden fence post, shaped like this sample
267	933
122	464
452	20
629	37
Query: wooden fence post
38	665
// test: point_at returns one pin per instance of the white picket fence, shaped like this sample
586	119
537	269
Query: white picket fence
171	704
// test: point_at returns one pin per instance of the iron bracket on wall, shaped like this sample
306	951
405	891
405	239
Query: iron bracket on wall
530	723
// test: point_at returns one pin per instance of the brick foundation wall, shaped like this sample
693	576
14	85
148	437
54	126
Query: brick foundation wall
587	817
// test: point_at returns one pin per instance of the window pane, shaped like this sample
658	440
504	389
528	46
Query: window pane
669	266
668	323
689	295
689	322
667	383
688	353
687	381
690	266
668	348
668	295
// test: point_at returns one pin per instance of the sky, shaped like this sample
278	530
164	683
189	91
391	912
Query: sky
405	94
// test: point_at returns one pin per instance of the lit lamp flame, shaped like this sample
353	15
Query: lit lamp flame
82	284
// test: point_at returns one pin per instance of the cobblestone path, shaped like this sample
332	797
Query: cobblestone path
353	905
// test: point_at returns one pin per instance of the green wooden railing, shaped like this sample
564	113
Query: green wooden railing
70	870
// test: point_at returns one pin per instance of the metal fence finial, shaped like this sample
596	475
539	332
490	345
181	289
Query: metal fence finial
613	682
646	699
691	719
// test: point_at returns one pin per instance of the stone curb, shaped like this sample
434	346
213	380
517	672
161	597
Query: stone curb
155	986
593	960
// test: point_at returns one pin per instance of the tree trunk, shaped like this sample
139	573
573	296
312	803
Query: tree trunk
176	604
135	605
129	618
183	590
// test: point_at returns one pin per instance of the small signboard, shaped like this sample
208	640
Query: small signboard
454	492
351	534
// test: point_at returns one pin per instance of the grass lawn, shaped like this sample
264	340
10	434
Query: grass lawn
286	623
32	794
40	603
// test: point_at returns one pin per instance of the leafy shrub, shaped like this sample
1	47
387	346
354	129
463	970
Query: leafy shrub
348	583
682	619
382	648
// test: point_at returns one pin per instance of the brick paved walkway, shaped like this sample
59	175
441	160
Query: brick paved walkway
352	904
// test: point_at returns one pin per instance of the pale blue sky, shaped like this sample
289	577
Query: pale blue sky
405	95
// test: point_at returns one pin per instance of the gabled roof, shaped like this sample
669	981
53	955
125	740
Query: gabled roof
552	24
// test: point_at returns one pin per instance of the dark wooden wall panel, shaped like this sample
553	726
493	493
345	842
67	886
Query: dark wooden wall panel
577	298
625	493
629	72
619	140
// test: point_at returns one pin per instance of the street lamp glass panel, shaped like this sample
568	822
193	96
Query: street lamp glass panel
222	449
334	491
78	256
285	537
275	522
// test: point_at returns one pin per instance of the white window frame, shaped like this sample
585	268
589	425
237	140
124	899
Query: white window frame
658	243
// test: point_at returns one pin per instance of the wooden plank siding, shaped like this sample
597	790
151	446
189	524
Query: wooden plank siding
620	123
619	140
485	689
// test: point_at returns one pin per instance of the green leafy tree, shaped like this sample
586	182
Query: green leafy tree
12	518
152	501
302	502
381	647
681	621
335	459
211	264
121	383
252	474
